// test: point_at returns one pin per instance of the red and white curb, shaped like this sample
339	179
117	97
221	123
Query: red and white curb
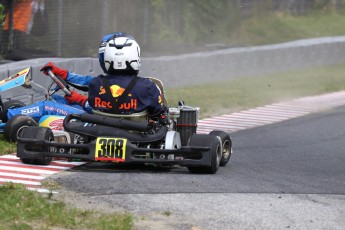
271	113
13	170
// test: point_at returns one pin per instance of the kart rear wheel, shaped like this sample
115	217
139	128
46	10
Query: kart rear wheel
14	127
9	105
204	140
40	133
226	144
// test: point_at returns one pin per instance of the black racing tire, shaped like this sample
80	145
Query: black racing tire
226	145
40	133
10	105
204	140
14	127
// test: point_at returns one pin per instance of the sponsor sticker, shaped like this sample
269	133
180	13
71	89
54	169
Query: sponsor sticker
30	111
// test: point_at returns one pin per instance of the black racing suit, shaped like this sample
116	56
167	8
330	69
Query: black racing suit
144	95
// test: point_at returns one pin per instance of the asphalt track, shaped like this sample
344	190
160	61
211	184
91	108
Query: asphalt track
302	155
285	175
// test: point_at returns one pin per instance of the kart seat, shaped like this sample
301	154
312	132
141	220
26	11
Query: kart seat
160	86
134	116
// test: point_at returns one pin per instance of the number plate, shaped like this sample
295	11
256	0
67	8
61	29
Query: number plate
110	149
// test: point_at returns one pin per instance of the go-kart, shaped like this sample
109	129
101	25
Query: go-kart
15	80
133	139
12	128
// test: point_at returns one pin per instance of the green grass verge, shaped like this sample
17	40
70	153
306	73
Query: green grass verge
219	98
26	210
270	28
5	147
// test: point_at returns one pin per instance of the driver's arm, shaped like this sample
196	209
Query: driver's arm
80	82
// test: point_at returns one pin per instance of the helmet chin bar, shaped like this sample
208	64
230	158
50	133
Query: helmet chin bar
137	62
128	71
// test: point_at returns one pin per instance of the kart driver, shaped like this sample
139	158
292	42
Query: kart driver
120	91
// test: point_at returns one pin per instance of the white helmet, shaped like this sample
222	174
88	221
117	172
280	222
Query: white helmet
119	51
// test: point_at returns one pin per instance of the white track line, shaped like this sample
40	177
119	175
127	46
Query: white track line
273	113
13	170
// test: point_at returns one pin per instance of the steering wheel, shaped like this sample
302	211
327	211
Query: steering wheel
60	83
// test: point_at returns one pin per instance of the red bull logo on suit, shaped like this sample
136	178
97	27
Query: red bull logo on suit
116	91
107	104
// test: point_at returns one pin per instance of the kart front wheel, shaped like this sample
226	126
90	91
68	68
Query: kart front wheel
40	133
214	143
11	104
226	145
15	126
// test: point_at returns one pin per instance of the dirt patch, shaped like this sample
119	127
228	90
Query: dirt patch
150	221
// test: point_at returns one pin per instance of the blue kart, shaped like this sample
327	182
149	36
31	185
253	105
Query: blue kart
22	115
16	80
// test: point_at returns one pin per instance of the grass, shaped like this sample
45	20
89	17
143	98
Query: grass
5	147
24	209
242	93
270	28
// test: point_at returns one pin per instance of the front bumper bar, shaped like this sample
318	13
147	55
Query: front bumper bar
106	149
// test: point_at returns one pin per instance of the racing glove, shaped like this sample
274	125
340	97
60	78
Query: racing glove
76	98
56	70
